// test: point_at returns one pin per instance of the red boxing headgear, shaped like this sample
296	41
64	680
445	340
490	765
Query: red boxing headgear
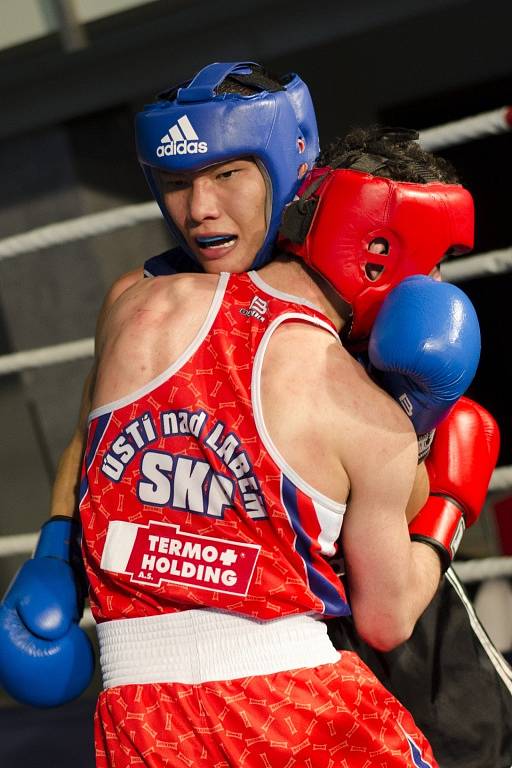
340	212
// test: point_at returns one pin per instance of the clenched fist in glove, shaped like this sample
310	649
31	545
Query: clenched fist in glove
460	464
45	658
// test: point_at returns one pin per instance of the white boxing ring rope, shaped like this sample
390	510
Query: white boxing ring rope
469	128
44	356
497	262
80	228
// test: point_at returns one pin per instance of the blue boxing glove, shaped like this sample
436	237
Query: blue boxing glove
424	348
45	658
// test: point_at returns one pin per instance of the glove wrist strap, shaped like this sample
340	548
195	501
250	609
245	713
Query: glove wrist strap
59	538
441	525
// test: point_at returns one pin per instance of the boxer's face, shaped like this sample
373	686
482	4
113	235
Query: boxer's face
220	211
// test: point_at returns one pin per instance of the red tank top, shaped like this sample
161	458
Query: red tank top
186	502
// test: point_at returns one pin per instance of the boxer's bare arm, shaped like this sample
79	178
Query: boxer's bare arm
346	437
392	580
67	477
419	493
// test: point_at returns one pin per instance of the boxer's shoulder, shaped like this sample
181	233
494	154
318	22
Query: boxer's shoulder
167	293
122	284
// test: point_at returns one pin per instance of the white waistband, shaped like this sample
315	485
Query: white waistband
198	646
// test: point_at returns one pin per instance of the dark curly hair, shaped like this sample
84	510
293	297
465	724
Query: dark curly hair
391	152
258	80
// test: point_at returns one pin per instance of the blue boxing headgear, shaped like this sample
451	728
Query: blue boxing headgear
193	126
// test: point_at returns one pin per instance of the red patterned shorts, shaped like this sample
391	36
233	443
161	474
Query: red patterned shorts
333	716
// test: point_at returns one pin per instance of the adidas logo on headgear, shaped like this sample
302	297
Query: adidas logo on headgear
181	139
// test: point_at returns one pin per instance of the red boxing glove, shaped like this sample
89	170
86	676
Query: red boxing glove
460	465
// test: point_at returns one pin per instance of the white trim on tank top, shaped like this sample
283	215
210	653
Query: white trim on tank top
260	283
217	300
261	428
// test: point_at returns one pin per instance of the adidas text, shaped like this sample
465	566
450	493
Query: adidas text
182	148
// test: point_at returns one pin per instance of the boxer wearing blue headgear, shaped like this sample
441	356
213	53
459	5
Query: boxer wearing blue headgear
231	111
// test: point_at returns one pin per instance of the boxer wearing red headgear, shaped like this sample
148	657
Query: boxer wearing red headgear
332	226
449	665
340	212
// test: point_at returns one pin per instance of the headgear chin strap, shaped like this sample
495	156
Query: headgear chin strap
340	212
192	127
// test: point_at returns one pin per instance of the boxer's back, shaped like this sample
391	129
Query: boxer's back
317	402
177	439
147	329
